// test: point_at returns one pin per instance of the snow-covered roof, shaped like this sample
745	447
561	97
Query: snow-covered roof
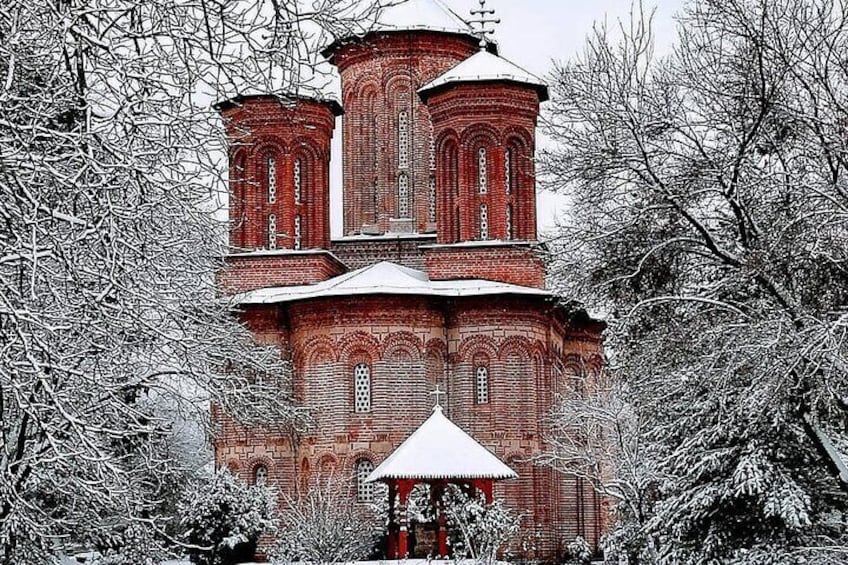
428	15
412	15
307	94
486	67
439	449
385	278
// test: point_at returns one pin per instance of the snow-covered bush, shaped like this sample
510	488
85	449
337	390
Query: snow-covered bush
326	526
579	551
479	531
223	519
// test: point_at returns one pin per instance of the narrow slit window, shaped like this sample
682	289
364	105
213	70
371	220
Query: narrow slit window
403	196
508	171
483	170
298	239
484	222
272	231
509	222
298	180
362	388
482	382
431	201
272	180
403	140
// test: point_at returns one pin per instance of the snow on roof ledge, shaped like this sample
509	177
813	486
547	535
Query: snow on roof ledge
385	278
441	450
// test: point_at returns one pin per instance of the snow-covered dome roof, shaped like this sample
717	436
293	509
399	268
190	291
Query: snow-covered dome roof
411	15
439	449
429	15
486	67
385	278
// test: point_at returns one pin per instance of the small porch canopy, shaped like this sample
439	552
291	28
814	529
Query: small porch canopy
438	453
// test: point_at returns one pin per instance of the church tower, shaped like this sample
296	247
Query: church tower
389	153
279	171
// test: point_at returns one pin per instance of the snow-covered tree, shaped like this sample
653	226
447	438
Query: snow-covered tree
223	519
110	172
595	434
326	525
710	220
479	531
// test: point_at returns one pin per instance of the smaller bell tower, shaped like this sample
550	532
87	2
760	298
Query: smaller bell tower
279	171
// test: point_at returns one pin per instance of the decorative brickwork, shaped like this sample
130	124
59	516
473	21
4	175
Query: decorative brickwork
250	271
280	171
485	140
510	262
445	187
387	129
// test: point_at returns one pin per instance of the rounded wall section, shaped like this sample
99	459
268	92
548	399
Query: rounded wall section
279	172
486	175
390	183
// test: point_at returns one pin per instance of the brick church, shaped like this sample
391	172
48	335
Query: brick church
438	278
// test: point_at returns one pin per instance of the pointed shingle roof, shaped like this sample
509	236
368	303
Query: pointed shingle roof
486	67
440	450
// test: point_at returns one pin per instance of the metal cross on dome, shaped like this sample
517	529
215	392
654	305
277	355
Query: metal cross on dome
485	17
437	393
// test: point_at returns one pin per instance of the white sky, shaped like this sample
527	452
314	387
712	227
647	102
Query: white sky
533	33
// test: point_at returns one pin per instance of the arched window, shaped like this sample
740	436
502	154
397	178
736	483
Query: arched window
298	240
260	475
272	231
484	222
403	140
403	196
272	179
482	384
482	170
298	181
362	388
364	490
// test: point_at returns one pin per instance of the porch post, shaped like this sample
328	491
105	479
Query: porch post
392	542
404	488
437	491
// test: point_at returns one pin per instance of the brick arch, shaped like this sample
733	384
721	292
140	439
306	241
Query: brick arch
255	462
303	146
311	351
268	143
358	344
594	364
444	137
437	347
519	135
516	344
402	341
475	134
448	182
473	345
573	365
397	80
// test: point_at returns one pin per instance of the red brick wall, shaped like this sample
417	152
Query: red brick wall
380	77
358	253
500	261
499	117
412	343
248	272
263	127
